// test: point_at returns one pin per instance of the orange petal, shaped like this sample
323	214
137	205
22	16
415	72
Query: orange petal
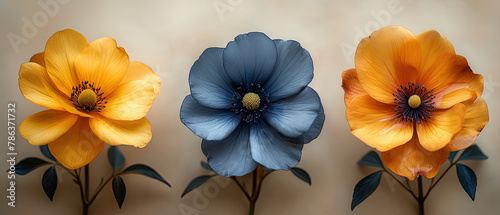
390	57
46	126
114	132
60	53
411	160
103	64
438	56
130	101
452	80
139	71
375	123
476	117
465	75
435	133
441	67
77	147
39	58
351	85
452	95
36	85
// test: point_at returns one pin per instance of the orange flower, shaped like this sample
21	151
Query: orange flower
95	95
412	98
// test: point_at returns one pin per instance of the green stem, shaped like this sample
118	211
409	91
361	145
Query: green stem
86	203
251	211
255	185
258	176
241	187
98	190
421	197
439	179
402	185
85	209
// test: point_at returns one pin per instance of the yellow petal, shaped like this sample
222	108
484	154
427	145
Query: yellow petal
139	71
375	123
103	64
390	57
46	126
411	160
130	101
476	117
435	133
60	53
351	85
114	132
39	58
77	147
36	85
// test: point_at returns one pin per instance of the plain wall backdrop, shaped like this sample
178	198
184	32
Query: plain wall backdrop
170	35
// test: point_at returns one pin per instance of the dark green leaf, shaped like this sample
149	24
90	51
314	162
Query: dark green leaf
452	156
301	174
45	151
371	159
473	152
119	190
115	158
196	183
147	171
206	166
365	188
49	182
467	179
29	164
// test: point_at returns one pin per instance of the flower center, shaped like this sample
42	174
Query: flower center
251	101
86	97
414	103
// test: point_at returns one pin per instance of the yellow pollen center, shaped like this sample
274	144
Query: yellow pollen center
87	98
414	101
251	101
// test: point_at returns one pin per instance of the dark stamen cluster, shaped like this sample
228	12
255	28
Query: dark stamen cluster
249	116
77	90
405	111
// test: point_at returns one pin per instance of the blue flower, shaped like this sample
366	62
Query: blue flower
251	104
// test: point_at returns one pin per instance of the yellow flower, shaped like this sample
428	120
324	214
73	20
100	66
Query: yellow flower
412	98
94	93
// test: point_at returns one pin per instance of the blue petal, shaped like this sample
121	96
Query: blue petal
294	116
313	131
293	70
272	150
208	123
250	58
209	83
231	156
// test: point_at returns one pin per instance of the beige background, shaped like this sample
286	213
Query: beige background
170	35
